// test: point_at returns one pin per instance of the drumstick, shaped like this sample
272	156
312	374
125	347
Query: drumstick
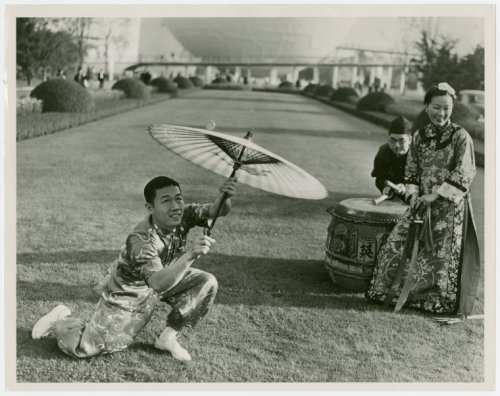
382	198
392	185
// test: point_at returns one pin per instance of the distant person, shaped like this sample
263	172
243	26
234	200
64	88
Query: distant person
80	77
297	84
100	78
442	275
390	161
154	265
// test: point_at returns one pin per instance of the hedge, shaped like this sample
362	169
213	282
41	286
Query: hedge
324	90
40	124
375	101
344	94
64	96
311	89
183	82
132	87
197	81
165	85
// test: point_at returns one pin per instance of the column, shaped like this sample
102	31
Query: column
209	74
237	73
389	77
335	77
354	76
373	72
315	75
111	70
402	81
273	76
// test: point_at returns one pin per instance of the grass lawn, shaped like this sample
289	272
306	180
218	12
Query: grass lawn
277	316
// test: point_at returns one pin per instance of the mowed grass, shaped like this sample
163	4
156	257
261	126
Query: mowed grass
277	316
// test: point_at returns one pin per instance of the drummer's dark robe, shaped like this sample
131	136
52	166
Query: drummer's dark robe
446	276
388	166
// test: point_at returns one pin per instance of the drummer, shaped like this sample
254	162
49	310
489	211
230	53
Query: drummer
390	161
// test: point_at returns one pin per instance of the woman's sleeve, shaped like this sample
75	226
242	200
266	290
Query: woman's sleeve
457	184
412	175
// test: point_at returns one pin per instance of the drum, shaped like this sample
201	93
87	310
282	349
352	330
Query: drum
356	232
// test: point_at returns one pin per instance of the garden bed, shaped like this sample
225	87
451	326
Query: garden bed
40	124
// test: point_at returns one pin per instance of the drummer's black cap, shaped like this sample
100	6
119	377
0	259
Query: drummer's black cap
400	126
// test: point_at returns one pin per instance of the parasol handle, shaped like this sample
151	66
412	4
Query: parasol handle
225	196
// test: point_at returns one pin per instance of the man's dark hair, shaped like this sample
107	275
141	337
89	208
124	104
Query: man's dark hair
155	184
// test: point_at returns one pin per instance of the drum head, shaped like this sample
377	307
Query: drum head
363	209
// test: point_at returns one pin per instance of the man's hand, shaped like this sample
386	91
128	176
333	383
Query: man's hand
388	192
229	186
401	189
201	245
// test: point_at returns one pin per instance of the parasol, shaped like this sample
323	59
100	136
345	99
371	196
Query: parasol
226	154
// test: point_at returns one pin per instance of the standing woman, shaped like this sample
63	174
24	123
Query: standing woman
430	260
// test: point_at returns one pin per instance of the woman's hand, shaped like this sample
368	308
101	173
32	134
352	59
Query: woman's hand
413	199
428	198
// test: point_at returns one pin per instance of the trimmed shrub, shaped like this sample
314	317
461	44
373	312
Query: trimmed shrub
219	80
105	95
183	82
375	101
227	86
132	87
344	94
286	84
163	84
311	89
25	106
324	90
64	96
145	77
197	81
463	113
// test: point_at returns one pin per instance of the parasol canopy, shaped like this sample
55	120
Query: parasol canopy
225	154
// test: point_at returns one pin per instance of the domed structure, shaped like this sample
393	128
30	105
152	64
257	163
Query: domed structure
243	39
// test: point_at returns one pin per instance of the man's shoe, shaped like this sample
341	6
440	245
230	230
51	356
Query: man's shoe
167	341
44	326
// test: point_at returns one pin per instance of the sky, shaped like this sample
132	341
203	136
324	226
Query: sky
368	32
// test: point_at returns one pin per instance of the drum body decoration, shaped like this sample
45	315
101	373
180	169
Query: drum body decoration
356	232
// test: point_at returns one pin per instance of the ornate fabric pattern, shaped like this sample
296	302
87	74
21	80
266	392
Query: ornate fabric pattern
126	302
435	158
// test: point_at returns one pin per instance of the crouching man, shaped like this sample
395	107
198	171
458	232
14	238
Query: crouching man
390	161
154	265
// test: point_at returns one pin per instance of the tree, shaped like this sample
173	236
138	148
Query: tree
471	71
79	29
39	48
111	38
439	63
27	41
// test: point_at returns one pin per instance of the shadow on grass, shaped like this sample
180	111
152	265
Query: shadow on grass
275	206
55	291
72	257
44	348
